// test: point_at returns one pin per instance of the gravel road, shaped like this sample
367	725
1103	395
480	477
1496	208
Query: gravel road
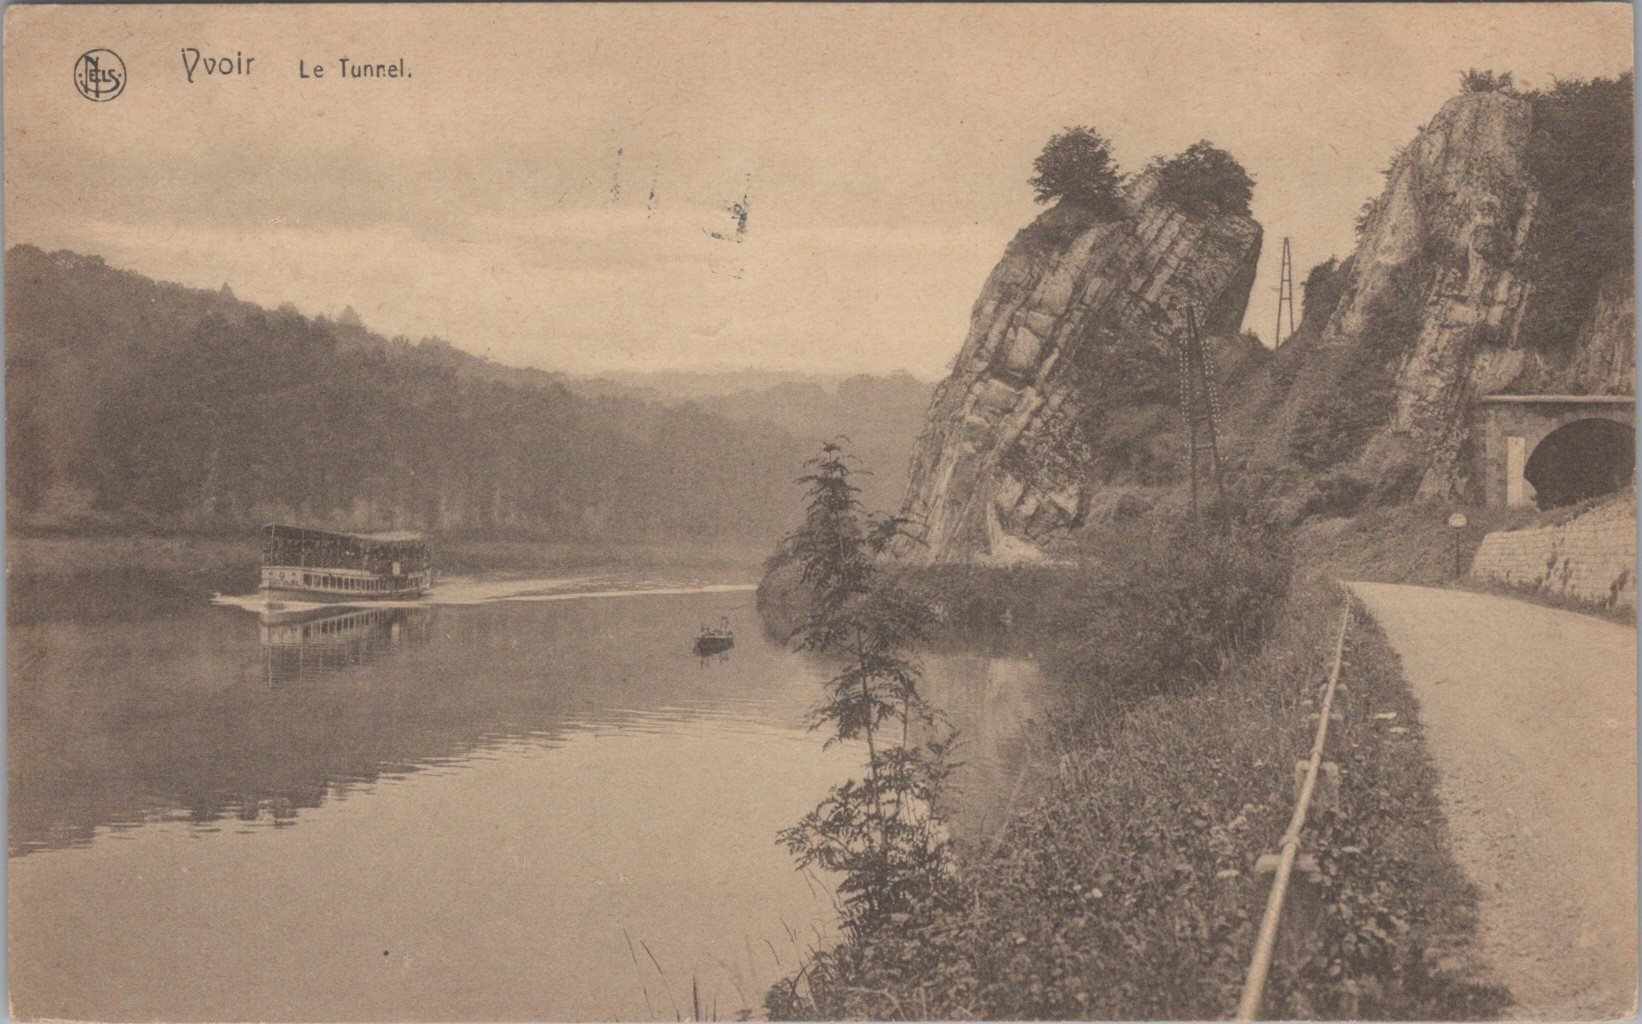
1530	714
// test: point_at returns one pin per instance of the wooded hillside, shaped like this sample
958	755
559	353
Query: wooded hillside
134	404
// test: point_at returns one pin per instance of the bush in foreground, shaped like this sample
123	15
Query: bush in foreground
880	834
1167	616
1124	889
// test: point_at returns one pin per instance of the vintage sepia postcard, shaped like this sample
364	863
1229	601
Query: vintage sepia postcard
553	512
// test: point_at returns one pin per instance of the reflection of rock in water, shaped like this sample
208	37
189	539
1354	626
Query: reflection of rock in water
991	702
310	645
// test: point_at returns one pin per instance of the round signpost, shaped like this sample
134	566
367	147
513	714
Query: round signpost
1459	523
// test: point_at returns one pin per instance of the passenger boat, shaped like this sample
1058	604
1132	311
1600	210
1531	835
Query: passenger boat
299	564
715	639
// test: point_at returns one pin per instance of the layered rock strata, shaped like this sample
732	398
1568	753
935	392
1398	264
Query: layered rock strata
1447	247
992	479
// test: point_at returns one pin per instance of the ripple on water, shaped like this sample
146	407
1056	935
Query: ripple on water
473	786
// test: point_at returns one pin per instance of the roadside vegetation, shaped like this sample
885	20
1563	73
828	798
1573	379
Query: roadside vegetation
1182	665
1150	608
1124	888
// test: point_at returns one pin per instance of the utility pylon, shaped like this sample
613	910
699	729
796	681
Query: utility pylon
1285	295
1200	404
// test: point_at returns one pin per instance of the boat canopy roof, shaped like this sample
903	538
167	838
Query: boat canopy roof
277	531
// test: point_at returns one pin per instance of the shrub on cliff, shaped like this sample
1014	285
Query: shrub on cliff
1475	80
1127	391
1360	392
1077	165
1581	159
1335	493
1204	181
1320	294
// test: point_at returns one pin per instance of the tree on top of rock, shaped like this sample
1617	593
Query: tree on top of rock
1205	180
1077	165
1474	80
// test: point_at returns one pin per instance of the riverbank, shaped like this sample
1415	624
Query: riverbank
54	554
91	576
1123	886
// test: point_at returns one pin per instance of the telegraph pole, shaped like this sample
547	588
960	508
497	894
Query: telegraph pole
1285	295
1200	403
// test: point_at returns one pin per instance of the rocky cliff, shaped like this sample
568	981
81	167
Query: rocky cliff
1463	284
1497	260
1065	372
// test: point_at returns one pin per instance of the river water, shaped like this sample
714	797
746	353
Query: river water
521	799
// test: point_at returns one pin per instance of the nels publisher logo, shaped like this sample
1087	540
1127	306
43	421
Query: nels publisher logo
99	75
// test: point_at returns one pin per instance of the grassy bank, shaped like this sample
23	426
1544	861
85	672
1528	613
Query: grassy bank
1124	887
1148	586
1413	544
1404	544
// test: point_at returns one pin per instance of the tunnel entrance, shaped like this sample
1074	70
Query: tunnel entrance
1582	460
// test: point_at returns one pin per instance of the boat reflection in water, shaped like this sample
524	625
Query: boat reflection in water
462	780
317	642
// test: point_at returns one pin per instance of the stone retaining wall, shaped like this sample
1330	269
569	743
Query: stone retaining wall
1591	557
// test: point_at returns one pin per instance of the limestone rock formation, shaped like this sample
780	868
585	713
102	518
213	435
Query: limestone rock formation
1604	362
1495	261
1441	281
1456	210
1072	317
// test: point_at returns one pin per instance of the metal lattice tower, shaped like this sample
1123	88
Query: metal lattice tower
1285	295
1200	404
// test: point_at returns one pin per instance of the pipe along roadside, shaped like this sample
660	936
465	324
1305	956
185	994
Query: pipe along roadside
1254	984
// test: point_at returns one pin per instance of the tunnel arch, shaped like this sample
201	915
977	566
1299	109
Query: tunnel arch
1580	460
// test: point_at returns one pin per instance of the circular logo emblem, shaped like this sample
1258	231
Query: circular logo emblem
99	75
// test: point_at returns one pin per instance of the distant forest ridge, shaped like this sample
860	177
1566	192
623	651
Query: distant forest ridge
136	404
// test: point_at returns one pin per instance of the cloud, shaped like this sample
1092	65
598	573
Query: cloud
502	197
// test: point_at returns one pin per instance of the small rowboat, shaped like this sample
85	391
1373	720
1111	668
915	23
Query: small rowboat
715	639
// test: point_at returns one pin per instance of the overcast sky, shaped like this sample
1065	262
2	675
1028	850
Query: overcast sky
501	195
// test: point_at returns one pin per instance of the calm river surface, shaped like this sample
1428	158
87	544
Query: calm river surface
521	800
